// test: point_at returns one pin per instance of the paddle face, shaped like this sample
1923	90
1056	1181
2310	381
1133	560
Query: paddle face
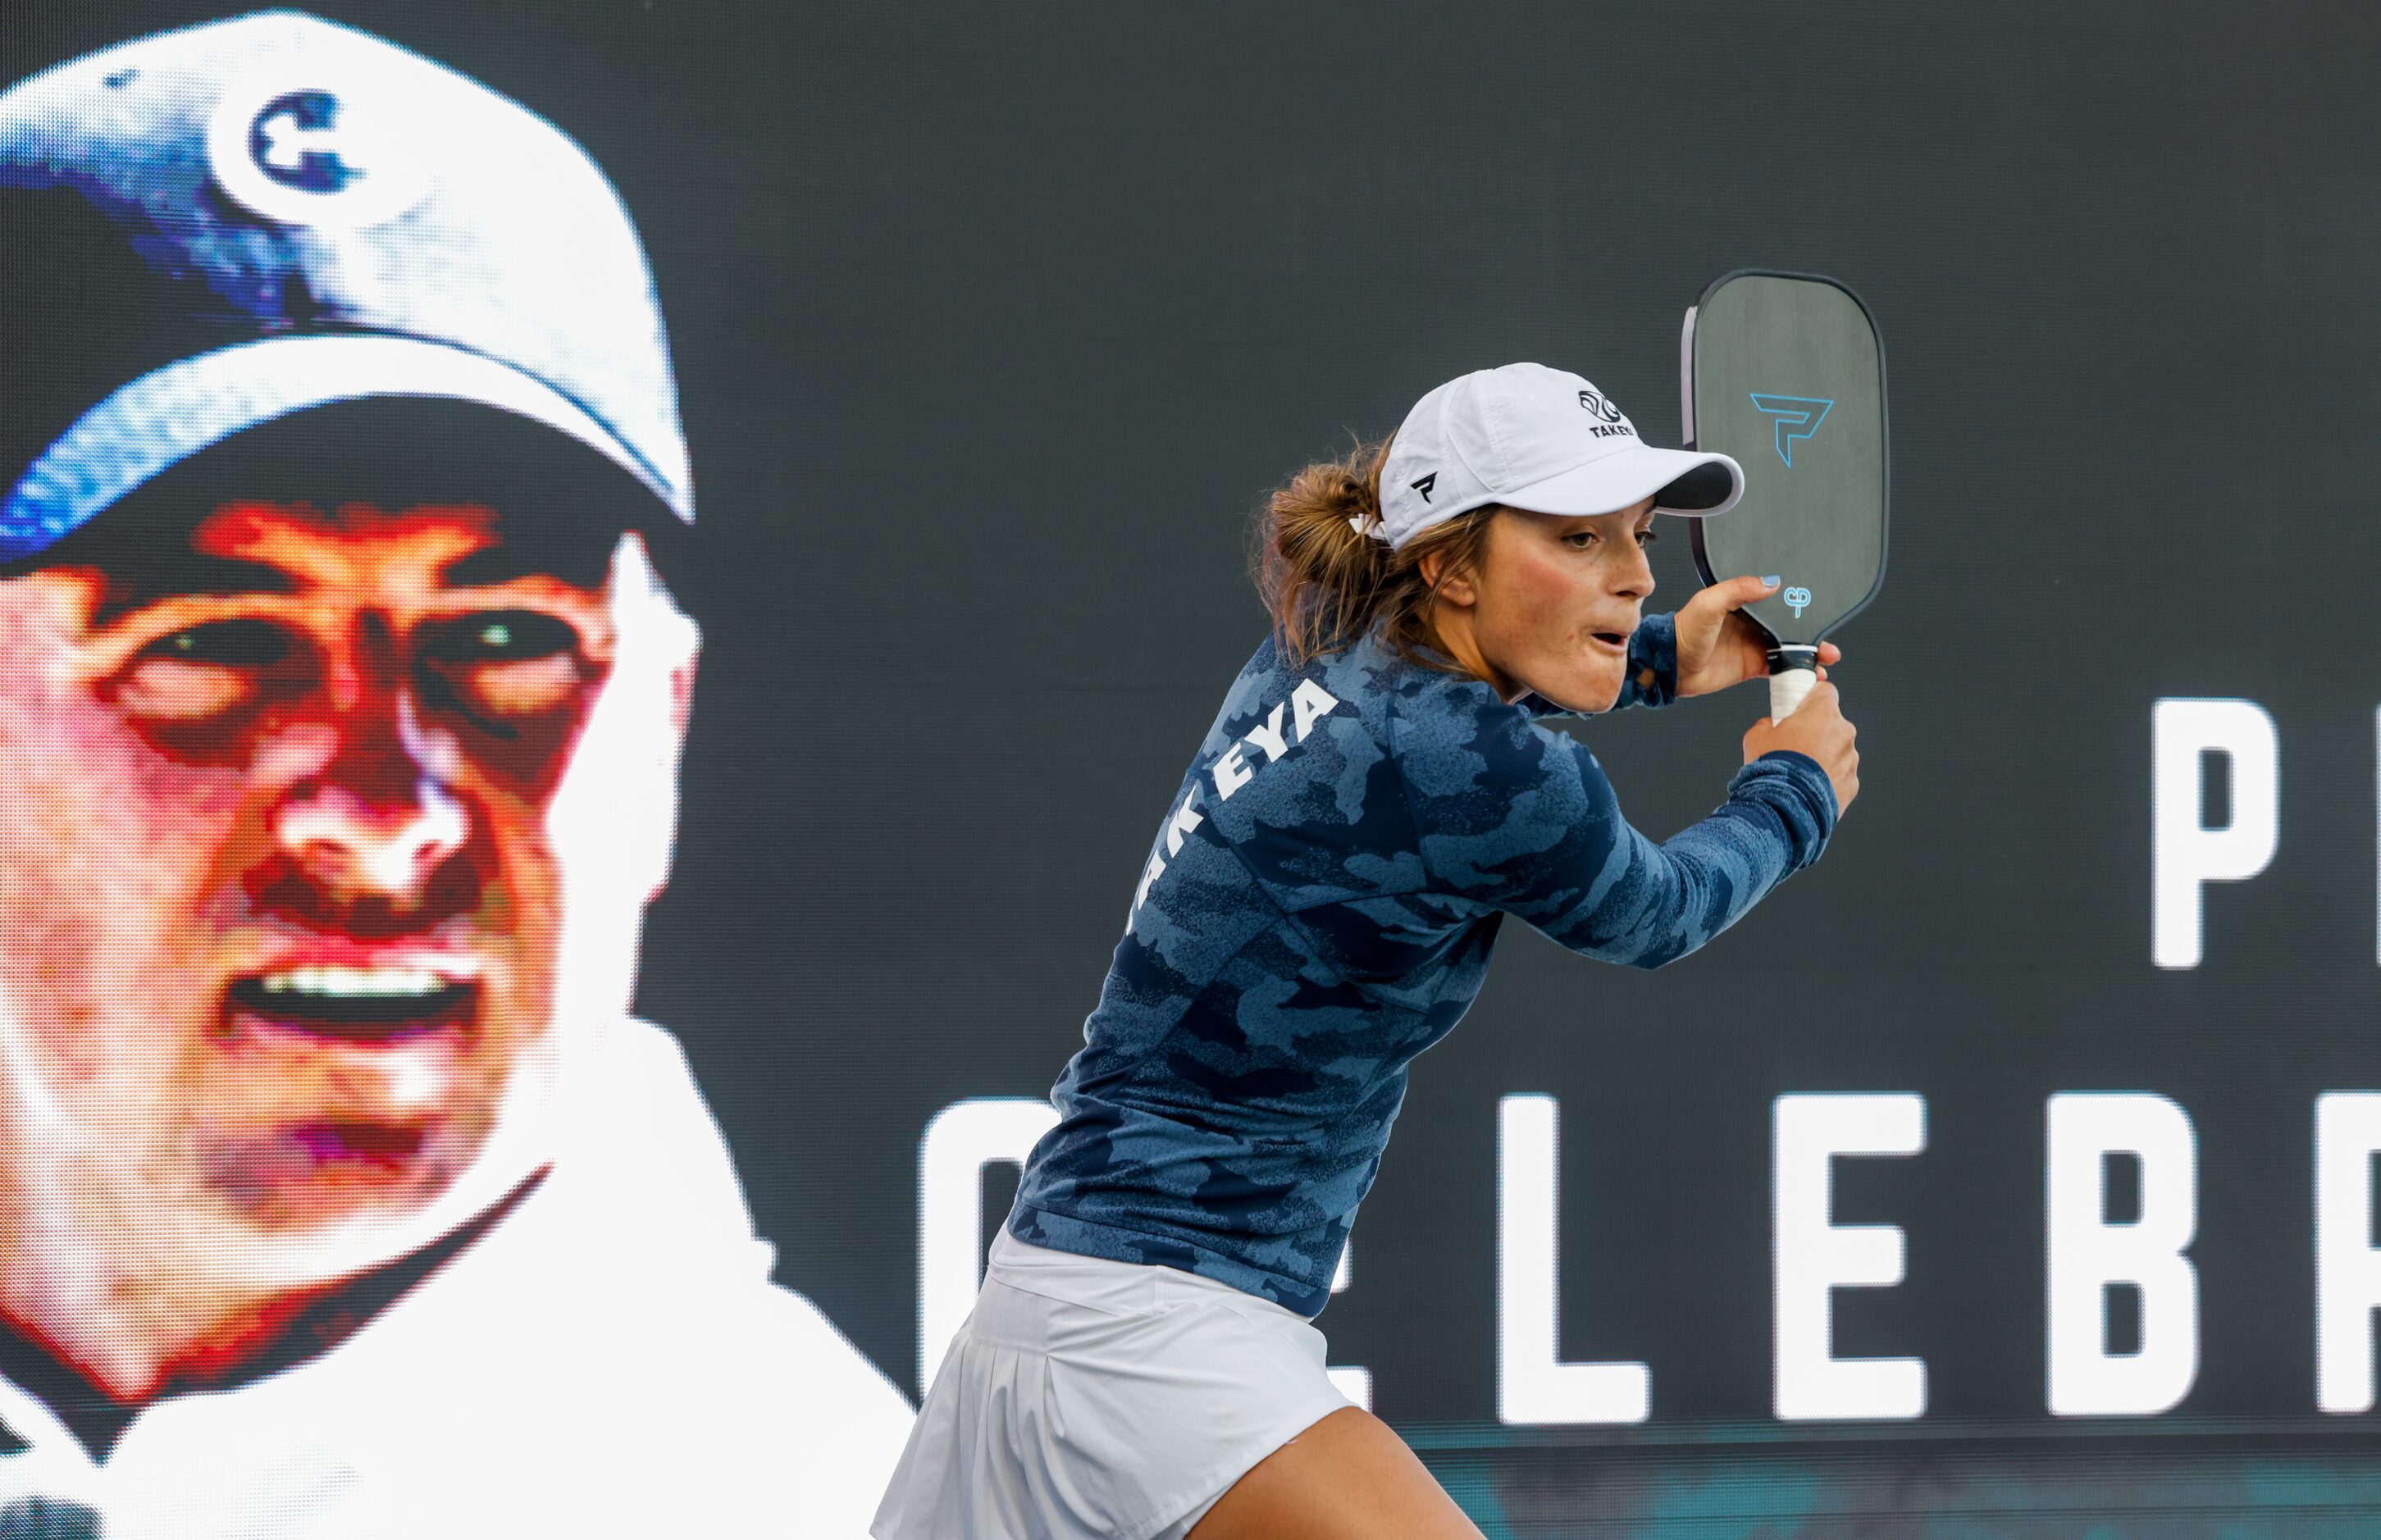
1785	372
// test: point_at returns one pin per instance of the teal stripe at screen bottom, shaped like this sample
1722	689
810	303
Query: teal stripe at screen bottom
2322	1485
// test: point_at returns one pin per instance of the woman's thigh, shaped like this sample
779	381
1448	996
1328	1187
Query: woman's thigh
1346	1478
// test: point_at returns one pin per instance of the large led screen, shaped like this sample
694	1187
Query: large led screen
603	603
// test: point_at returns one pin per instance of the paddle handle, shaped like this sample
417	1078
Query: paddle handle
1792	671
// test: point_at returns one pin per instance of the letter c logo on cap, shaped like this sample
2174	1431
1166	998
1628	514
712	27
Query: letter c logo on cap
316	151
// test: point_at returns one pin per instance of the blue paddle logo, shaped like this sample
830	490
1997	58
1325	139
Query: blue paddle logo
1798	417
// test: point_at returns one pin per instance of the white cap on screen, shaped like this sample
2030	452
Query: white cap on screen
216	227
1539	439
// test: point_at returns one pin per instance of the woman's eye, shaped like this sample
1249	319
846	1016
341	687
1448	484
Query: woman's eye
1645	538
1579	540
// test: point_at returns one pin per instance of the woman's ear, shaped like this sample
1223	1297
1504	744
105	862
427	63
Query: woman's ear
1455	587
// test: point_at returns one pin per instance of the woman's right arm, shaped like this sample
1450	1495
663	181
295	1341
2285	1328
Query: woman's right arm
1521	818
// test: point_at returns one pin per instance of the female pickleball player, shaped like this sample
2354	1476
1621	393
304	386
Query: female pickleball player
1318	908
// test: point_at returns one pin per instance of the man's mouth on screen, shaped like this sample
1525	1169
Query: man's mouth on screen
365	1005
350	1067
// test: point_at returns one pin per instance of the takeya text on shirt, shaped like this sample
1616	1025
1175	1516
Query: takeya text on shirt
1309	703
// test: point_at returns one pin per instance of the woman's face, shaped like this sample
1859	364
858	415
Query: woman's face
1552	605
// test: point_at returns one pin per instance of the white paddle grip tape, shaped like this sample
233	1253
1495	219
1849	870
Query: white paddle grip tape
1787	689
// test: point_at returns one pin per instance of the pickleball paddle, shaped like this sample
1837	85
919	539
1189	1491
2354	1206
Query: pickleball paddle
1784	372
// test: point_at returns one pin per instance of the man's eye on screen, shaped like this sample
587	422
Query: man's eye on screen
205	670
507	663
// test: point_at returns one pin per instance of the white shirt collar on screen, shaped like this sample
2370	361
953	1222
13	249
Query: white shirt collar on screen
610	1358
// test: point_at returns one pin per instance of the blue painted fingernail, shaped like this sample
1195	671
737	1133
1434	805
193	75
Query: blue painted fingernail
1771	581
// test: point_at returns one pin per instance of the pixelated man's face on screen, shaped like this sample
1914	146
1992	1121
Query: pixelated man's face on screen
302	873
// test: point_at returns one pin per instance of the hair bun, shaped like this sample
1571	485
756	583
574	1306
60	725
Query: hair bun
1326	574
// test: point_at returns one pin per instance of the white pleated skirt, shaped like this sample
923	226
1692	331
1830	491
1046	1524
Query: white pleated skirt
1086	1397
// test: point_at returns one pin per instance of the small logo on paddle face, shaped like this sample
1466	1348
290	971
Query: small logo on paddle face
1798	417
1799	599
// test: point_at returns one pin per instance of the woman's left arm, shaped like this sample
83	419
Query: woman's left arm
1652	678
1517	817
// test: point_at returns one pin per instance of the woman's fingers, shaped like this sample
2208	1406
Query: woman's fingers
1736	592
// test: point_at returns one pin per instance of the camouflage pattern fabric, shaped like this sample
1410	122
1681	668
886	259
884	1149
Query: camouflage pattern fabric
1319	907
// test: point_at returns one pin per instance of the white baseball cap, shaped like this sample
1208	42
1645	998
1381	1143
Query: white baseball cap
1539	439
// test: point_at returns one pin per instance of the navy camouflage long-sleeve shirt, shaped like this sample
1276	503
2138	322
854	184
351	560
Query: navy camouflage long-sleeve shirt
1319	907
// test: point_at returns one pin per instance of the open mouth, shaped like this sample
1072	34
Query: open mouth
1618	639
357	1005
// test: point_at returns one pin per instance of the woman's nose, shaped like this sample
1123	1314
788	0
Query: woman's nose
1636	578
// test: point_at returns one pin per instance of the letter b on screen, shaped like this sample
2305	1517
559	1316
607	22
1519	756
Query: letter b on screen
2087	1252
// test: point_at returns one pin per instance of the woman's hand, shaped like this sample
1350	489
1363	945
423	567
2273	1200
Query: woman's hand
1818	729
1718	647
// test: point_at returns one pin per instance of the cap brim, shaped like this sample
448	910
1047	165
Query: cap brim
165	417
1681	482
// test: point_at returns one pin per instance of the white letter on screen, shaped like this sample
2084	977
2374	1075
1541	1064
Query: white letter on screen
2347	1268
960	1141
2086	1253
2184	854
1814	1257
1533	1383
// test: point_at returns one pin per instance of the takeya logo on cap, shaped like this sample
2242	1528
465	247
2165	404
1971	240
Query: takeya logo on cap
313	150
1424	485
1612	426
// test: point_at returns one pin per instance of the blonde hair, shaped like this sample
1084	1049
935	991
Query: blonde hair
1326	584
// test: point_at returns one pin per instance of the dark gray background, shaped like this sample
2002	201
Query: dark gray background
994	321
